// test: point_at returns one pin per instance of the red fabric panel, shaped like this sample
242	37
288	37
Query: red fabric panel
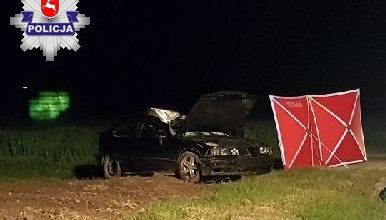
315	153
290	140
303	158
324	130
341	105
317	160
356	125
347	151
334	161
297	107
330	130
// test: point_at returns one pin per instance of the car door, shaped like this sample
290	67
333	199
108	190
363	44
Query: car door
149	145
126	143
124	136
157	150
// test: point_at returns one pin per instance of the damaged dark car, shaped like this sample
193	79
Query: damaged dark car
207	142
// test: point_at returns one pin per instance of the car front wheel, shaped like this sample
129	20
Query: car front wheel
189	167
111	167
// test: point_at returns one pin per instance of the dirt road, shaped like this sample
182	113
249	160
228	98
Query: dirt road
104	199
91	199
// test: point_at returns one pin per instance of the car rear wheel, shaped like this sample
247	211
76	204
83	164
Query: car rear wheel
111	167
189	167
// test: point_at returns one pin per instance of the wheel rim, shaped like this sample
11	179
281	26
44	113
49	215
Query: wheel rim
110	168
189	168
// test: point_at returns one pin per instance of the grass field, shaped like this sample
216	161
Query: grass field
54	149
46	150
36	151
302	194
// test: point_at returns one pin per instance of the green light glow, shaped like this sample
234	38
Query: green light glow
49	105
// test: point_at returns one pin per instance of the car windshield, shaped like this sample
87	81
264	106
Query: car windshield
201	133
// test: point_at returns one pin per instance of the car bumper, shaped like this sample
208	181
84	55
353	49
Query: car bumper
234	165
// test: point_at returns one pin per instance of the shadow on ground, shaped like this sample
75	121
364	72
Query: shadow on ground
88	171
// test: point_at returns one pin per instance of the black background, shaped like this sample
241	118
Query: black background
167	53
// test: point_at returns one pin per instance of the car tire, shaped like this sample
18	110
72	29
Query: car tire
189	167
111	167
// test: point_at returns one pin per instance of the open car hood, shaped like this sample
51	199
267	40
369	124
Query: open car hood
222	111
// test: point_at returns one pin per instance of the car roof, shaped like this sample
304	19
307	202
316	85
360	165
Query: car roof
140	118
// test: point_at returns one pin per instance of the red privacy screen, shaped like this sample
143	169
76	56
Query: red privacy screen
319	130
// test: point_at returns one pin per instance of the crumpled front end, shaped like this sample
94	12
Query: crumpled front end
235	165
220	166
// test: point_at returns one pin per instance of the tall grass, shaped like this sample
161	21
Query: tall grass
46	150
374	127
54	149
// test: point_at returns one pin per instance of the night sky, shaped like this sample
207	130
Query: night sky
167	53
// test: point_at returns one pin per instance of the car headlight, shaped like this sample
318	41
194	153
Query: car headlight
222	151
265	150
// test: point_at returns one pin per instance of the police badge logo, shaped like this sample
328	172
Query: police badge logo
49	8
50	25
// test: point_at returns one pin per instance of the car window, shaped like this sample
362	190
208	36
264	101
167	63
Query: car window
127	130
149	131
